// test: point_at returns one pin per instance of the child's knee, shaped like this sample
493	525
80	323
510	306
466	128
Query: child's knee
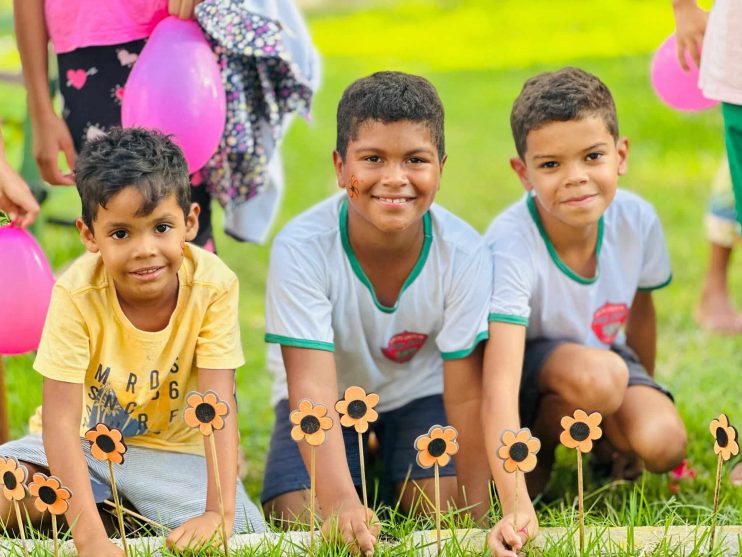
662	444
599	381
288	509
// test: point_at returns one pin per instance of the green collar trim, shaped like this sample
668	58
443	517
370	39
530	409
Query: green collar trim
358	270
555	256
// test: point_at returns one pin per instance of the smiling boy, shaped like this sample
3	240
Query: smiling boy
378	287
572	321
133	326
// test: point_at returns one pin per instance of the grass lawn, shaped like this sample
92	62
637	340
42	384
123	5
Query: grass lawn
478	53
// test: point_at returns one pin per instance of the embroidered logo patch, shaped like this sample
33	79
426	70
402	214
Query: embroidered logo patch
403	346
607	321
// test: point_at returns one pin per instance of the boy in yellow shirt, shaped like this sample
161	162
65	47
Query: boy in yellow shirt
133	327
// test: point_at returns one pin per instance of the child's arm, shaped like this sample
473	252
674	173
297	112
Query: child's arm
641	330
50	133
15	197
311	374
199	530
503	361
62	412
690	27
182	8
462	398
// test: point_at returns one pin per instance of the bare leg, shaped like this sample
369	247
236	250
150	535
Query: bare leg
418	496
715	310
289	509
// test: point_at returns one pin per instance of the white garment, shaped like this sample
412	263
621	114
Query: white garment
721	59
534	288
319	297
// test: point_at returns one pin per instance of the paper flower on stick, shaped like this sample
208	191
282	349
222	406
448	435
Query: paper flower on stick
13	477
518	450
310	423
580	430
106	443
356	409
725	434
205	411
49	494
437	446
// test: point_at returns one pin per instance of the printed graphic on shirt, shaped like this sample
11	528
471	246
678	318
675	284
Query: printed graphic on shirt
402	347
608	320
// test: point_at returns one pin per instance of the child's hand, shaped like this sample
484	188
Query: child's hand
356	526
15	197
690	27
197	532
50	136
99	547
182	8
505	540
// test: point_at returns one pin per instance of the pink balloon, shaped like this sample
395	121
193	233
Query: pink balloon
176	87
25	289
674	86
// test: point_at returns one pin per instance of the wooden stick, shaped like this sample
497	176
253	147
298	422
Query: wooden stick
580	502
515	503
4	435
717	487
363	473
219	494
55	536
118	508
138	516
312	464
20	526
437	508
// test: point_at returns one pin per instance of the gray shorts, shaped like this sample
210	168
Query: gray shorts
538	351
164	486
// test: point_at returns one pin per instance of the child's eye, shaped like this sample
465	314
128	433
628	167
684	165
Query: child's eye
549	164
372	158
119	234
417	160
595	156
162	228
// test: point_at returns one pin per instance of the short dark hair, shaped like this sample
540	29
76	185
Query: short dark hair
389	97
566	94
145	159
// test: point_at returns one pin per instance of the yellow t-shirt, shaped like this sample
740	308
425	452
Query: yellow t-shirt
137	380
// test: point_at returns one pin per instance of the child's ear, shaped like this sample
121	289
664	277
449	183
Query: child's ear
517	164
87	236
337	162
622	150
192	222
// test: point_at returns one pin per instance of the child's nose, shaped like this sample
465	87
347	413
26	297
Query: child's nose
395	175
576	174
145	247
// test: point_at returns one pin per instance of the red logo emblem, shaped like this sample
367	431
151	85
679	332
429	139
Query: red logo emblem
607	321
404	346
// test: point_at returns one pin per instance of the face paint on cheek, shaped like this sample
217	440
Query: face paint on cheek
353	188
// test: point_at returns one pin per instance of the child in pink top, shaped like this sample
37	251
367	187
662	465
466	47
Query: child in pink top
97	43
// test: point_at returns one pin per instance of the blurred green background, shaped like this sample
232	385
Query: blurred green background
478	53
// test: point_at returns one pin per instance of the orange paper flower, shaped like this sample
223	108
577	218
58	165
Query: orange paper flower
205	412
580	430
726	437
106	444
518	450
356	409
310	423
14	477
437	447
49	494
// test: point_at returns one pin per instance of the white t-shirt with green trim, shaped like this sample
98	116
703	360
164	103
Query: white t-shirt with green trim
534	288
319	297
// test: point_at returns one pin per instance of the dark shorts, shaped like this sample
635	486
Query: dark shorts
538	351
396	431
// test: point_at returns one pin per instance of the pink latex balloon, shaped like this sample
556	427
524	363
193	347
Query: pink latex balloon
674	86
176	87
25	289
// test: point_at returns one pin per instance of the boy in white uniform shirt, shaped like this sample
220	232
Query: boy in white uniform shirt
380	288
572	320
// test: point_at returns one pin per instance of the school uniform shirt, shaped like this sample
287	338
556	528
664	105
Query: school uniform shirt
318	297
534	288
134	380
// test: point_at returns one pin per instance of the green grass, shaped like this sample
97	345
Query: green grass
478	53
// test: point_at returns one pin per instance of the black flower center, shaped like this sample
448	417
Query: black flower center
105	443
579	431
9	480
437	447
721	437
357	409
519	451
47	495
309	424
205	412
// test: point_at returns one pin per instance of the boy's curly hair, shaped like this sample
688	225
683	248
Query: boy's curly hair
389	97
560	96
145	159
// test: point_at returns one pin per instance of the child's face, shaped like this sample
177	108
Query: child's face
392	173
142	253
573	168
